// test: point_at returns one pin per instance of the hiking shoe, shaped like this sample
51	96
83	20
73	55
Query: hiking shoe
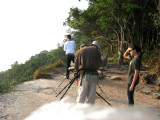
66	77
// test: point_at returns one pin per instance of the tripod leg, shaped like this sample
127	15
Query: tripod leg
63	88
69	86
61	83
103	99
100	88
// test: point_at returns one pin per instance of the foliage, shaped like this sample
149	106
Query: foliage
24	72
40	74
151	58
51	67
45	71
116	23
115	58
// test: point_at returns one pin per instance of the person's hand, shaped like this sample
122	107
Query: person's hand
129	48
131	88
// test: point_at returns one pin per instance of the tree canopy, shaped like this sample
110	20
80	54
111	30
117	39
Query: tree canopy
117	23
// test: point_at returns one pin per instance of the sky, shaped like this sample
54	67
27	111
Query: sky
28	27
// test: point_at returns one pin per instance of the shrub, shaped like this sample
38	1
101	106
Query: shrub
51	67
37	74
40	74
114	59
45	71
151	58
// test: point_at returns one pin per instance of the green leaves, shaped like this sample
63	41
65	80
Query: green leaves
24	72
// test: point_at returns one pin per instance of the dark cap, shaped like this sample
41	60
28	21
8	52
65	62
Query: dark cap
83	45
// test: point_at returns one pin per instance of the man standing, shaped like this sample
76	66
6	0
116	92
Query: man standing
69	48
87	62
133	53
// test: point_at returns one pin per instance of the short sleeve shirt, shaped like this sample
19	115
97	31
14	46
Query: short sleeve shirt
69	47
134	65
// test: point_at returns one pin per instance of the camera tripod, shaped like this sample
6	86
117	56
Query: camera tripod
76	75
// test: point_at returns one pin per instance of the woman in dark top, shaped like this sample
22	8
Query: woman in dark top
133	53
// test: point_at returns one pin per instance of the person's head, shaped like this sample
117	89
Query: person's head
82	46
135	50
95	44
68	37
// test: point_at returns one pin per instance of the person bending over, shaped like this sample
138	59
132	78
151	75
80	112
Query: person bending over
87	62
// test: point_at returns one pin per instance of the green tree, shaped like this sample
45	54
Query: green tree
116	24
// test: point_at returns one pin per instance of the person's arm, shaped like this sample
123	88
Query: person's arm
77	61
64	47
126	55
134	79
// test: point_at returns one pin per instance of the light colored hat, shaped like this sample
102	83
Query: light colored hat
95	43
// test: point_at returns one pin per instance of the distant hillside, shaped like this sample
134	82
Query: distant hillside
24	72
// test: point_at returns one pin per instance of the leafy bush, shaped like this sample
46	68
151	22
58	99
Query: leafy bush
51	67
44	72
114	59
151	59
40	74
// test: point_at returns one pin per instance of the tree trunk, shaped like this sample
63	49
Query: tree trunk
141	38
111	47
120	52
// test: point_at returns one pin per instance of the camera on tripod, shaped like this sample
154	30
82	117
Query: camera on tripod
71	69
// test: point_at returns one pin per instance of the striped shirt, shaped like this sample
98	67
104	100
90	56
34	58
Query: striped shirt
69	47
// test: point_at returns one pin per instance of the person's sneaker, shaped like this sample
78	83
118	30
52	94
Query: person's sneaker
66	77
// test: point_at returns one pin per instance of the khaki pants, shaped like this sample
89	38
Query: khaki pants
88	89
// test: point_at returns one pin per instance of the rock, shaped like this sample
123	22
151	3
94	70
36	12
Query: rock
148	91
115	78
156	95
145	90
150	79
158	85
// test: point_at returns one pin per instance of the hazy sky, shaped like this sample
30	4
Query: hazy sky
28	27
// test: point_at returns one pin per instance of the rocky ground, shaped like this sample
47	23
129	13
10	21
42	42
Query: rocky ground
33	94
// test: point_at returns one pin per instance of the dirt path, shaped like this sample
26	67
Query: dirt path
33	94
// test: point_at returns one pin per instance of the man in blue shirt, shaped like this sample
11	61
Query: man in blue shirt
69	48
